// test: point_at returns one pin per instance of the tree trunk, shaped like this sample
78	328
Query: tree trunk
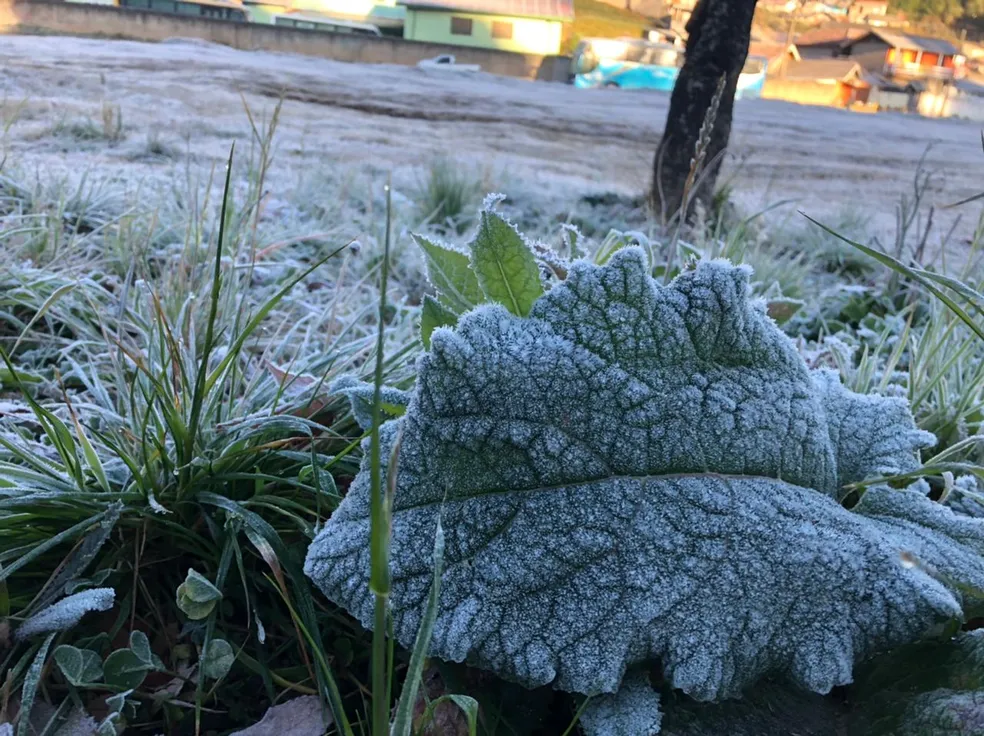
717	44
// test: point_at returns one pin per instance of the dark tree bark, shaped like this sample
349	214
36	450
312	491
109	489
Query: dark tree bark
717	44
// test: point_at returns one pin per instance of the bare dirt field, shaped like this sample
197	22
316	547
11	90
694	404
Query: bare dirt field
551	139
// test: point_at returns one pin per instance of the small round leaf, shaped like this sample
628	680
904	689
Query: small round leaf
217	659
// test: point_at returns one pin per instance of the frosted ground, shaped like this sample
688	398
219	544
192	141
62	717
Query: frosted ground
546	141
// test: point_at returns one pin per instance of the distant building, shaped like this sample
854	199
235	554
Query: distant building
829	82
905	55
962	99
826	41
525	26
777	55
779	6
386	15
217	9
866	10
681	10
649	8
893	95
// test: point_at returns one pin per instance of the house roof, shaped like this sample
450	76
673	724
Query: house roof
549	9
771	50
901	40
970	88
837	69
831	34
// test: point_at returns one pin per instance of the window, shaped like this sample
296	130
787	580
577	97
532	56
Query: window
502	29
461	26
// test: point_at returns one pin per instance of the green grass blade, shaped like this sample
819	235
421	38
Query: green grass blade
30	689
411	684
379	579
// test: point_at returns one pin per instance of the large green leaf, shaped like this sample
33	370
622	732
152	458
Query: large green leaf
451	275
641	473
505	265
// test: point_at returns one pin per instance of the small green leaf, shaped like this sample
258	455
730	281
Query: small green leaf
450	272
79	666
197	596
125	669
433	314
782	310
140	645
505	265
217	659
466	704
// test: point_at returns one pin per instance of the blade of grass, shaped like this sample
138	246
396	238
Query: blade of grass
915	274
411	685
379	580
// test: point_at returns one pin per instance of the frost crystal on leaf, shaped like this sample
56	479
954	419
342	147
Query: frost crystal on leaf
644	473
360	395
67	612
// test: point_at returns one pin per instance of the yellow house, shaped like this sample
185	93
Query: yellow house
524	26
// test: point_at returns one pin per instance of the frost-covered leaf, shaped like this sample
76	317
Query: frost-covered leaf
123	668
393	401
505	265
645	473
217	659
67	612
632	711
301	716
432	316
67	578
196	596
930	688
78	723
79	666
449	270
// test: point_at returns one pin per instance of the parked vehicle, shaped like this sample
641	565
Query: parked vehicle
751	81
640	64
447	63
626	63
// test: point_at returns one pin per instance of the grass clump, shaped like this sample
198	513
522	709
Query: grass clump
176	417
449	195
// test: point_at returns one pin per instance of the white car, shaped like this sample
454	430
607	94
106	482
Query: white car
446	62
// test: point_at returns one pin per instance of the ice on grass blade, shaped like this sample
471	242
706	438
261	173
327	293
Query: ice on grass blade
29	690
67	612
642	473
